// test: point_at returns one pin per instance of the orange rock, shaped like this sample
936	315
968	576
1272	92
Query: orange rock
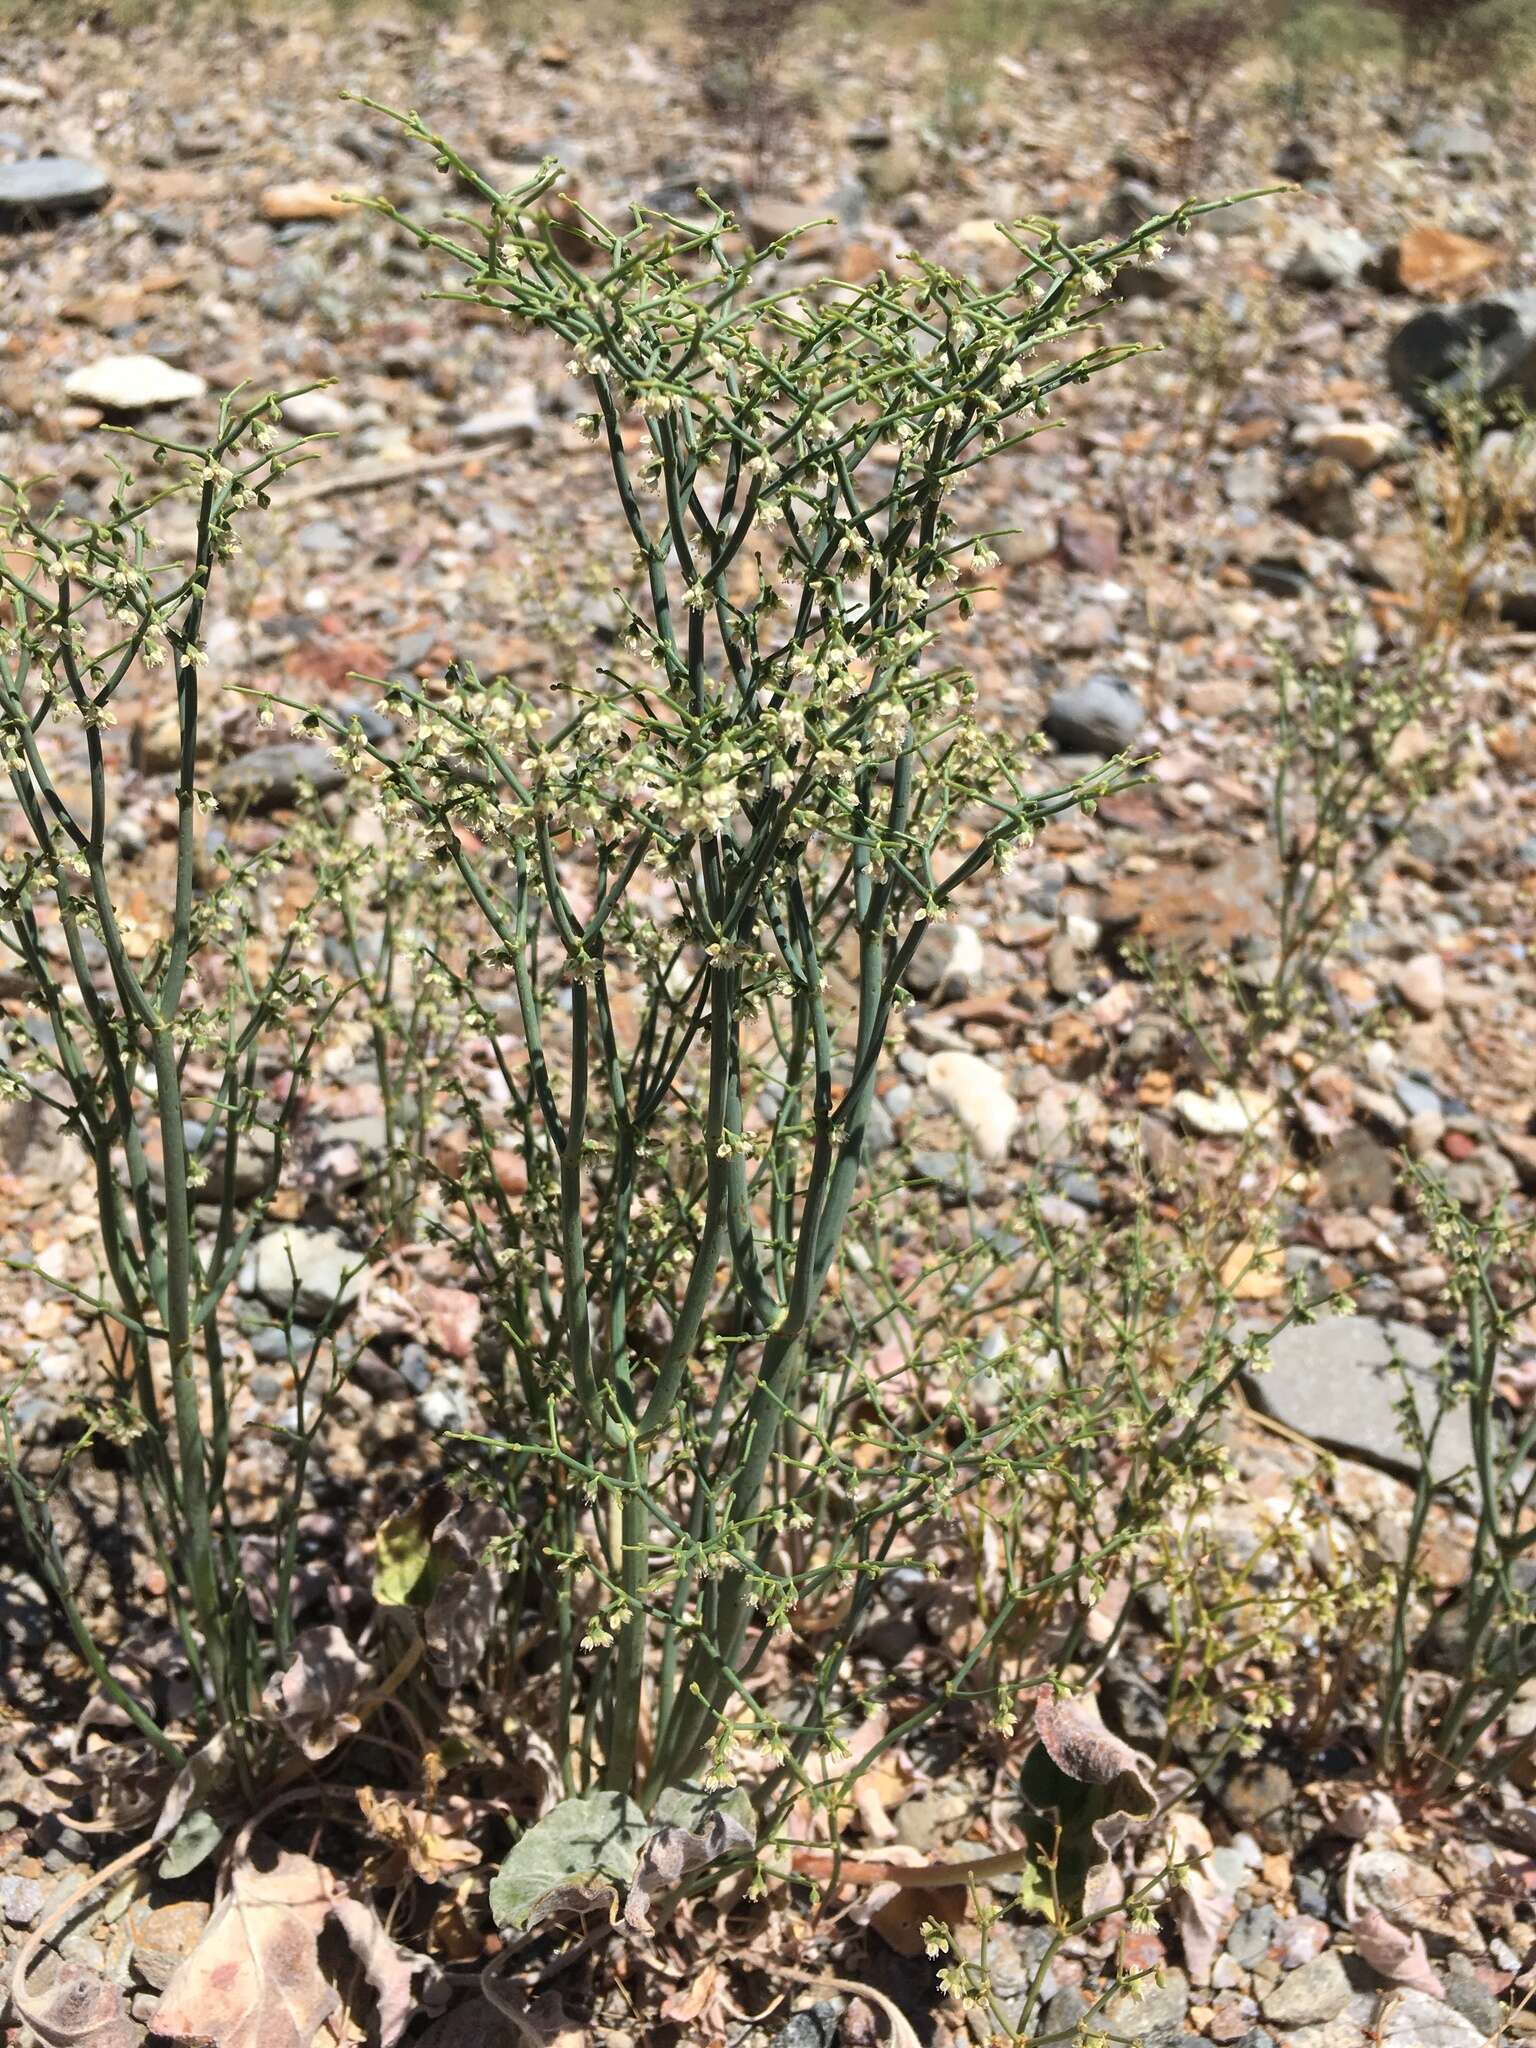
1433	262
308	199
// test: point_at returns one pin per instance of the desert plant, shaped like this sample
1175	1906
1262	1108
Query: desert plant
1475	492
742	50
1443	38
703	880
1182	51
150	1025
1454	1664
1359	746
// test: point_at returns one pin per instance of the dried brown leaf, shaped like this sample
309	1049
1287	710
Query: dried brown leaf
1395	1954
1077	1741
425	1840
79	2010
689	2000
387	1967
311	1700
254	1980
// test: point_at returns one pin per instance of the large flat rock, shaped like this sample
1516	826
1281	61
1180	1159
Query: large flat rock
1339	1381
40	188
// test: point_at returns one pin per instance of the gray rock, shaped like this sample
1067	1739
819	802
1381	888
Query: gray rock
1455	141
1101	716
306	1271
1146	2009
1415	2020
1417	1097
1326	257
930	1819
269	778
1336	1381
1484	349
271	1344
1252	1932
1064	2013
516	420
414	1366
1465	1990
42	188
957	1180
255	1162
22	1900
1309	1996
948	963
879	1129
1359	1173
445	1406
327	538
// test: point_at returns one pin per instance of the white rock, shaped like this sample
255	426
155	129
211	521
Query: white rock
316	412
1363	444
978	1095
1421	983
516	419
307	1271
1224	1113
132	384
967	958
1415	2020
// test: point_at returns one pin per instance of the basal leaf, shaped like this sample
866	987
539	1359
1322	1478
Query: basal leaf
581	1855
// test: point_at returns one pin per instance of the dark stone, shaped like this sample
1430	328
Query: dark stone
44	187
1279	576
1517	605
1300	161
1321	497
1485	349
1257	1795
814	2026
1131	1708
1129	206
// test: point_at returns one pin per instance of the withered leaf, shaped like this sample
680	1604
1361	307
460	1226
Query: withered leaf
697	1828
425	1840
254	1980
77	2010
387	1967
1084	1790
312	1698
1395	1954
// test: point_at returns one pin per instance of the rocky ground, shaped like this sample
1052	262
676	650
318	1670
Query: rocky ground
169	229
